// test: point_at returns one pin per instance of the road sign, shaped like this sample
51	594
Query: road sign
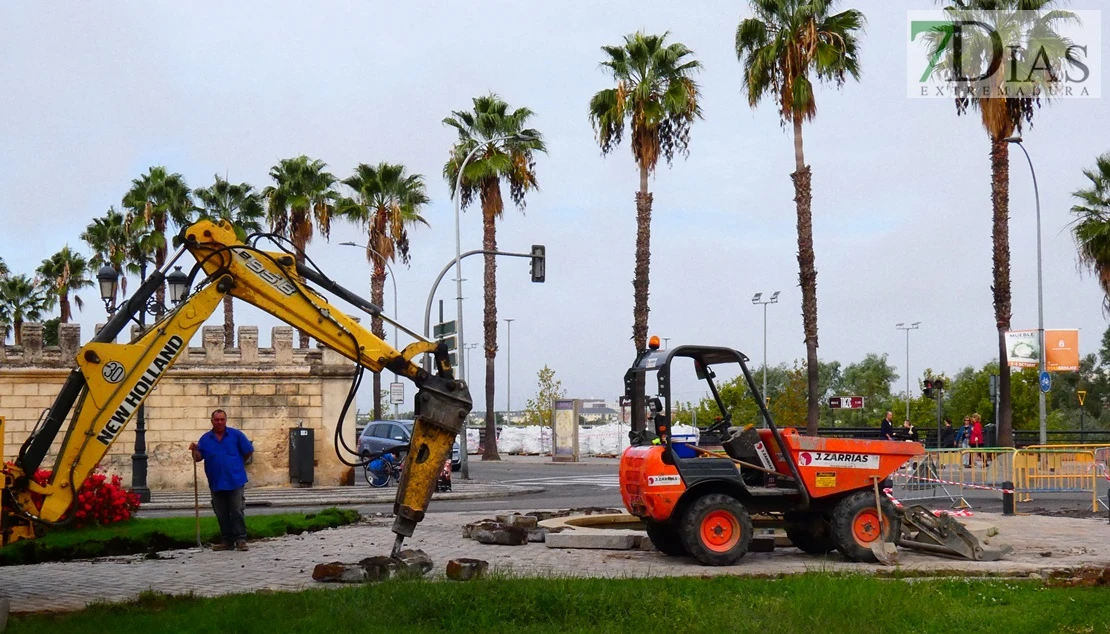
451	342
1046	382
845	402
1082	394
396	393
444	329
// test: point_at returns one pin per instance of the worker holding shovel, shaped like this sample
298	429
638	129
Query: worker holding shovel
225	452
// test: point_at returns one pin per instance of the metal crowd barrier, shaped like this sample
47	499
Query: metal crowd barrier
1061	469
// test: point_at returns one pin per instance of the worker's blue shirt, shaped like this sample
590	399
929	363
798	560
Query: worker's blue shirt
223	459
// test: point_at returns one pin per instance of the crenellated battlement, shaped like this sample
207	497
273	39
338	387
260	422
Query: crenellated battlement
33	354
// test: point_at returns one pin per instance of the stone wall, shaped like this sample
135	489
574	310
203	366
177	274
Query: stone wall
265	391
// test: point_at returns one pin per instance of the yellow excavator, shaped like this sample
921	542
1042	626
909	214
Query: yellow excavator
111	379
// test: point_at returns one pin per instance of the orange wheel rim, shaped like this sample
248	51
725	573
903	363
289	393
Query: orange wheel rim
867	526
720	531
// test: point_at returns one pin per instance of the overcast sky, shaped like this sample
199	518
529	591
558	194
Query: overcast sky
95	93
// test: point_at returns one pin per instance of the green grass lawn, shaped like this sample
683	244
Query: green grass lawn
810	604
144	535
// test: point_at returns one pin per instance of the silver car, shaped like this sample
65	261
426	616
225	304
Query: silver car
384	435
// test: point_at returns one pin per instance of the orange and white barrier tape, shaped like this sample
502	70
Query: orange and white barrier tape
955	513
959	484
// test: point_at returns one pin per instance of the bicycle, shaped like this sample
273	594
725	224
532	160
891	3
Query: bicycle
382	468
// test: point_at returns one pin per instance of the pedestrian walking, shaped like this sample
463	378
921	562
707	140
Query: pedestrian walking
225	452
963	440
976	440
886	427
947	435
908	432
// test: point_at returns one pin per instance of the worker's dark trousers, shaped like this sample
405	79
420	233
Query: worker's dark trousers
230	507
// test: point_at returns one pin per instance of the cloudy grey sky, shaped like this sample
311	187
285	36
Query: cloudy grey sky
94	93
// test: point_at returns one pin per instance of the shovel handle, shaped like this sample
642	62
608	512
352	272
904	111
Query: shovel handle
196	500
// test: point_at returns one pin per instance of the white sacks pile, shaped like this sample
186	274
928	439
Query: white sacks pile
603	440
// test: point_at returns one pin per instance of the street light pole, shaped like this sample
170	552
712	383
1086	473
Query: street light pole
468	347
903	326
774	299
458	242
509	369
1016	140
393	279
139	457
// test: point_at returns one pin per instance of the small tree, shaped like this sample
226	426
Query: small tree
539	411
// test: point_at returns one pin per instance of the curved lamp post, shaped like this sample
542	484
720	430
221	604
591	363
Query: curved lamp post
1016	140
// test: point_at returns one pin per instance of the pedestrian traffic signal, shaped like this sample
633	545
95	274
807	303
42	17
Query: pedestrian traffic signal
927	388
539	264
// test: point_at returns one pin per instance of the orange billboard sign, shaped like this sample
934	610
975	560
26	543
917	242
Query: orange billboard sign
1061	350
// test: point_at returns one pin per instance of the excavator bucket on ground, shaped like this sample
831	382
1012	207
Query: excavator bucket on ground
943	535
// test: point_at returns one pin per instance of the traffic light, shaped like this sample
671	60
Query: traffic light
539	264
927	388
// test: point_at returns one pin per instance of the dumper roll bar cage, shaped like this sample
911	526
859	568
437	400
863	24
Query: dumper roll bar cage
704	357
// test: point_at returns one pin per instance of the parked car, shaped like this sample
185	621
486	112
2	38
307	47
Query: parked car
384	435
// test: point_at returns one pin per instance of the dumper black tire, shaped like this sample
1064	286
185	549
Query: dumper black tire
665	538
857	525
716	530
811	532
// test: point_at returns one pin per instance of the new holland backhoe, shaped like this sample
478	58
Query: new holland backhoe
111	380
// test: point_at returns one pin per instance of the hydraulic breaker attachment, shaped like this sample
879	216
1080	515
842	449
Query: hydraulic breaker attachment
442	405
943	535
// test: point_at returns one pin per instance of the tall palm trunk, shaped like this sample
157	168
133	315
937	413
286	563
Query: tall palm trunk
160	258
807	271
229	323
300	242
491	204
640	275
377	293
1000	234
63	304
18	325
643	260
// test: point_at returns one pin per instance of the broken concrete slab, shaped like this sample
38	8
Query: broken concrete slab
502	535
468	529
466	569
339	572
594	540
409	563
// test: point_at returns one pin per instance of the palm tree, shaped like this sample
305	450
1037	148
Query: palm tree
156	200
240	205
658	98
22	299
508	154
301	194
63	272
1034	23
108	238
387	201
3	269
1092	224
787	43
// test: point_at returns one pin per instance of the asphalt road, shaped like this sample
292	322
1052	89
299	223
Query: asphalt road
593	483
567	485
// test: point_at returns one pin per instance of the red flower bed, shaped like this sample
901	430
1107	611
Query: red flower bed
100	501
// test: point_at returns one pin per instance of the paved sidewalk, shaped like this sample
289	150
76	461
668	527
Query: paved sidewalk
1041	544
361	493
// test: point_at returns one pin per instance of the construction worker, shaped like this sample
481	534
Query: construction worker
225	452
